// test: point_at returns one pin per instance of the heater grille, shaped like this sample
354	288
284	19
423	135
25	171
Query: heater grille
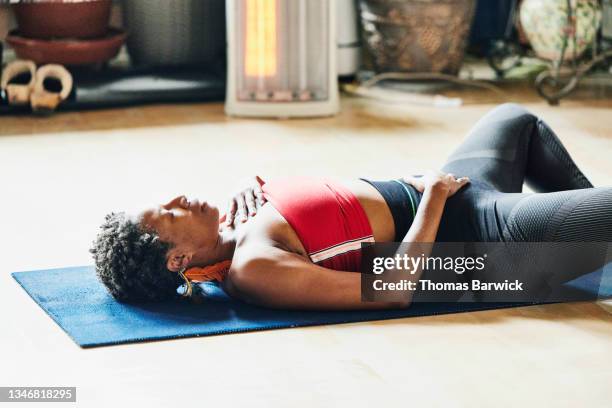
282	50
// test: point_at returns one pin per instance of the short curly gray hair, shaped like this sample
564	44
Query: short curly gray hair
131	261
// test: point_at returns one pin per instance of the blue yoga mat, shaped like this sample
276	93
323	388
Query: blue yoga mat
81	306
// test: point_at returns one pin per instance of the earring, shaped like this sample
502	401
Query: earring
189	290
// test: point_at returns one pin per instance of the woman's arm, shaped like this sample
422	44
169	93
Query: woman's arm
269	276
436	187
426	222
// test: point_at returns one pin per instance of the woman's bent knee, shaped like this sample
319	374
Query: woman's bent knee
513	111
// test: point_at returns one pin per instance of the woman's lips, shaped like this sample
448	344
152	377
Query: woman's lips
193	205
196	205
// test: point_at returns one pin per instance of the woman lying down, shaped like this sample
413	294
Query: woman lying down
301	250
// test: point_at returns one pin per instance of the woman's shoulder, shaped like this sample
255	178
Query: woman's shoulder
260	250
265	233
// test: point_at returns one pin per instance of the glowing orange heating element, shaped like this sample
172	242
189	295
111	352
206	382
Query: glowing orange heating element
261	41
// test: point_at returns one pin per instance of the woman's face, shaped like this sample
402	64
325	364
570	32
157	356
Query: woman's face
189	225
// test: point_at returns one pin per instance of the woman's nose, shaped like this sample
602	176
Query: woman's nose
174	203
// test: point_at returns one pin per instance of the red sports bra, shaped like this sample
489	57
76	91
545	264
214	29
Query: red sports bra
327	217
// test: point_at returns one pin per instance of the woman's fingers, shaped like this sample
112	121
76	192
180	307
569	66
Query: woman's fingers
463	181
242	208
432	177
246	202
259	195
231	212
407	179
261	200
259	181
458	184
415	182
249	198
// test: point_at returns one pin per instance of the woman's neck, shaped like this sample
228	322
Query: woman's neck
223	250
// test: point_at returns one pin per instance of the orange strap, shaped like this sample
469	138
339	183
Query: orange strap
208	273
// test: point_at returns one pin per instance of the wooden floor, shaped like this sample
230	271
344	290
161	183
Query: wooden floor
60	175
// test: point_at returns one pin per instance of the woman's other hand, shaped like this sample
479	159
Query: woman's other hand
246	201
447	182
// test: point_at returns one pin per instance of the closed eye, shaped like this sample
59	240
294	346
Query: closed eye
166	214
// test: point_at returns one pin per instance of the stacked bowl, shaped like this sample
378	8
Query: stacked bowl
68	32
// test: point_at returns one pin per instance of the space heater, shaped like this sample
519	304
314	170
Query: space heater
281	58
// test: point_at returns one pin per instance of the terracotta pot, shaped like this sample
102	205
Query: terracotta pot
63	19
68	51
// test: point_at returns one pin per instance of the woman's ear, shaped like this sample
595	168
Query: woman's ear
178	259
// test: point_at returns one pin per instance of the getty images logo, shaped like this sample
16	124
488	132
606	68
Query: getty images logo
413	264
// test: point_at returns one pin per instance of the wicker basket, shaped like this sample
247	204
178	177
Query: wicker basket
416	35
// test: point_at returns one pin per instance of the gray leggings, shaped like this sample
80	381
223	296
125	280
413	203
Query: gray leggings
508	147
